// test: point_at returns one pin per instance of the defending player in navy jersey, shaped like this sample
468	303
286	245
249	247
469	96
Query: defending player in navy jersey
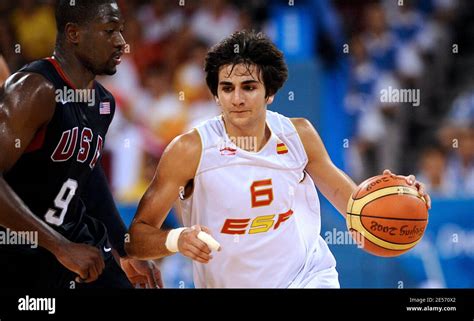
54	118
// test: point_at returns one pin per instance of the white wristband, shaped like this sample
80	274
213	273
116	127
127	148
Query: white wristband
172	239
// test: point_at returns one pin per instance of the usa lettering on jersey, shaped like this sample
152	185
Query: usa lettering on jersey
68	142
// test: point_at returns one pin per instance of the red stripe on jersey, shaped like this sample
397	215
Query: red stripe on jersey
60	71
37	141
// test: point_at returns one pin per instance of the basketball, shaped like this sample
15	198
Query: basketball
386	216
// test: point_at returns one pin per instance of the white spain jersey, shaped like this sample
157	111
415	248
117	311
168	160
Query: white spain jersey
248	200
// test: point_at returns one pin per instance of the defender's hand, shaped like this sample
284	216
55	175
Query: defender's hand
84	260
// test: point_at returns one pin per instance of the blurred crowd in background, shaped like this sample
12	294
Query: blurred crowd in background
420	45
161	92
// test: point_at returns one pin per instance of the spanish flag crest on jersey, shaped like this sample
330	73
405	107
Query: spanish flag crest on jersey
281	148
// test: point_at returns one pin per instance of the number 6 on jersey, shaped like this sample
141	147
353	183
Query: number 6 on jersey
262	193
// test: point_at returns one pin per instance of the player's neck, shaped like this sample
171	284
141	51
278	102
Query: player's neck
250	139
80	77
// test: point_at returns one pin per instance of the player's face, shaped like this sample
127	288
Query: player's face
102	43
241	95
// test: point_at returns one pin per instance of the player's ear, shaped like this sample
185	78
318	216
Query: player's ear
269	99
72	32
217	100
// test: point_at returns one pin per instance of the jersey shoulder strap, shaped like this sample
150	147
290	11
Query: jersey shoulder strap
211	132
49	69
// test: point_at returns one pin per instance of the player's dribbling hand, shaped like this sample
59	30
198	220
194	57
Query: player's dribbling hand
142	274
411	180
191	246
84	260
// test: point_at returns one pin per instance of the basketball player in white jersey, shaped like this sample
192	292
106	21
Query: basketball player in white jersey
246	178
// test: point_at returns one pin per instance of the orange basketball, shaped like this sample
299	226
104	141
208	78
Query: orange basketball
386	216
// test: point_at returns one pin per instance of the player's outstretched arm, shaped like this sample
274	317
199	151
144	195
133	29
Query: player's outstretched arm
27	103
177	167
335	185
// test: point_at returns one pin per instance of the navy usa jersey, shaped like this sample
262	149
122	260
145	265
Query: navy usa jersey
51	174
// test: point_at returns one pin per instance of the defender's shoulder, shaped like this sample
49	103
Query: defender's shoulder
34	92
29	81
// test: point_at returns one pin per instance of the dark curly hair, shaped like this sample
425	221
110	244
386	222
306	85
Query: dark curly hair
249	48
